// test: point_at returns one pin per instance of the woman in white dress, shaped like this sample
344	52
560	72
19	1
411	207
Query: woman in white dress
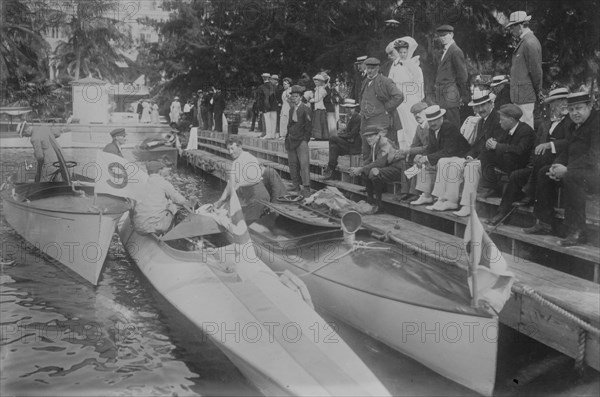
155	114
146	112
285	107
408	76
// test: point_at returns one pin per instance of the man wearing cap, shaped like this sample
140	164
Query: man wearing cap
156	201
451	78
246	176
296	141
381	167
408	187
445	140
526	67
551	139
119	137
347	141
576	169
507	154
501	89
359	76
379	98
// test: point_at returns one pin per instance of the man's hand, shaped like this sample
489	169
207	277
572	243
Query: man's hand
541	148
557	171
374	172
355	171
469	159
422	160
491	144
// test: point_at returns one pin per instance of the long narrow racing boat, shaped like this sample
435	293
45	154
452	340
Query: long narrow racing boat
266	329
66	223
419	309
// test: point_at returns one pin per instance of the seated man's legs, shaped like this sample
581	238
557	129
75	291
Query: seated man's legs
304	158
447	183
545	193
575	184
340	147
516	181
425	182
471	177
294	164
489	180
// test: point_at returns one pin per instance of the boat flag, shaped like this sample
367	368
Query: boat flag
490	280
238	227
117	176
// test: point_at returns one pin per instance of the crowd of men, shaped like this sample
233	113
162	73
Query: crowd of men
204	109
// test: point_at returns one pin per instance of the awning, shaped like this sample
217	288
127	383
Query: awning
15	110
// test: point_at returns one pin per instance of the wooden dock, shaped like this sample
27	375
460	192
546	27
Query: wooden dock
547	274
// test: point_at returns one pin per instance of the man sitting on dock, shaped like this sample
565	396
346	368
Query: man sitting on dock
246	177
156	201
576	169
118	140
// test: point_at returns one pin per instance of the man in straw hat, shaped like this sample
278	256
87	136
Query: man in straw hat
576	169
508	153
445	140
526	67
501	90
451	87
359	76
347	141
296	141
551	139
454	171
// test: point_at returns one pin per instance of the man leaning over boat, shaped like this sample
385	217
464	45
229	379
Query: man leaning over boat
156	201
246	176
43	151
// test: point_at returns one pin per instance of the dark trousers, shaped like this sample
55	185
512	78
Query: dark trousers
506	162
407	186
538	162
256	116
517	180
574	183
341	147
219	121
206	118
374	183
299	162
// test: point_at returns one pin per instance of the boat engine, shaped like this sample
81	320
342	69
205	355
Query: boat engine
351	222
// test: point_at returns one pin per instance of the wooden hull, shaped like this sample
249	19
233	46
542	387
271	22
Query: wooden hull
391	296
265	328
64	226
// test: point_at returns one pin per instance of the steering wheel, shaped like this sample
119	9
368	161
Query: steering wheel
68	164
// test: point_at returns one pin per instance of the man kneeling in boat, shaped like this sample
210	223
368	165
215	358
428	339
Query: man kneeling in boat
246	174
157	201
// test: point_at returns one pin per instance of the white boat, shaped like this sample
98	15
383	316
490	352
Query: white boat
415	307
266	329
66	223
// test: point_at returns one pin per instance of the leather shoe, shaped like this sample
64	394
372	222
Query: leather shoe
464	211
327	173
525	202
305	192
485	193
436	206
447	206
496	219
574	238
422	200
538	228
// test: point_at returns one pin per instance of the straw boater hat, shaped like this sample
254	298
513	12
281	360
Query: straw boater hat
518	17
511	110
267	75
497	80
557	93
319	76
434	112
361	59
578	97
275	77
349	103
479	98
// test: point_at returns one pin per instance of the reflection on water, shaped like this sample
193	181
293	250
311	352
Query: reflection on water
61	336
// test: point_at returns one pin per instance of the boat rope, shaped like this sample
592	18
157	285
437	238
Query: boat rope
581	345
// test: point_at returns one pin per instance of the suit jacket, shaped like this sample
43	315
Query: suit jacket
503	97
300	130
382	153
352	131
583	150
519	143
386	92
449	143
420	141
113	148
526	70
486	130
451	79
558	138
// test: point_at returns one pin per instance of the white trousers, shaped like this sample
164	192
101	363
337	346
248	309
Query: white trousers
270	123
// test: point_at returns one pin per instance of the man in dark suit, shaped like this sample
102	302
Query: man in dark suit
218	109
507	154
551	139
576	169
296	142
359	76
451	88
526	67
118	140
379	98
348	140
445	140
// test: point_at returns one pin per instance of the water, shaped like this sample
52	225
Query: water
61	336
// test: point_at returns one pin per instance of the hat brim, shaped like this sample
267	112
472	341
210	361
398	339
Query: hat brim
350	105
527	19
479	103
589	100
498	83
555	97
442	112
